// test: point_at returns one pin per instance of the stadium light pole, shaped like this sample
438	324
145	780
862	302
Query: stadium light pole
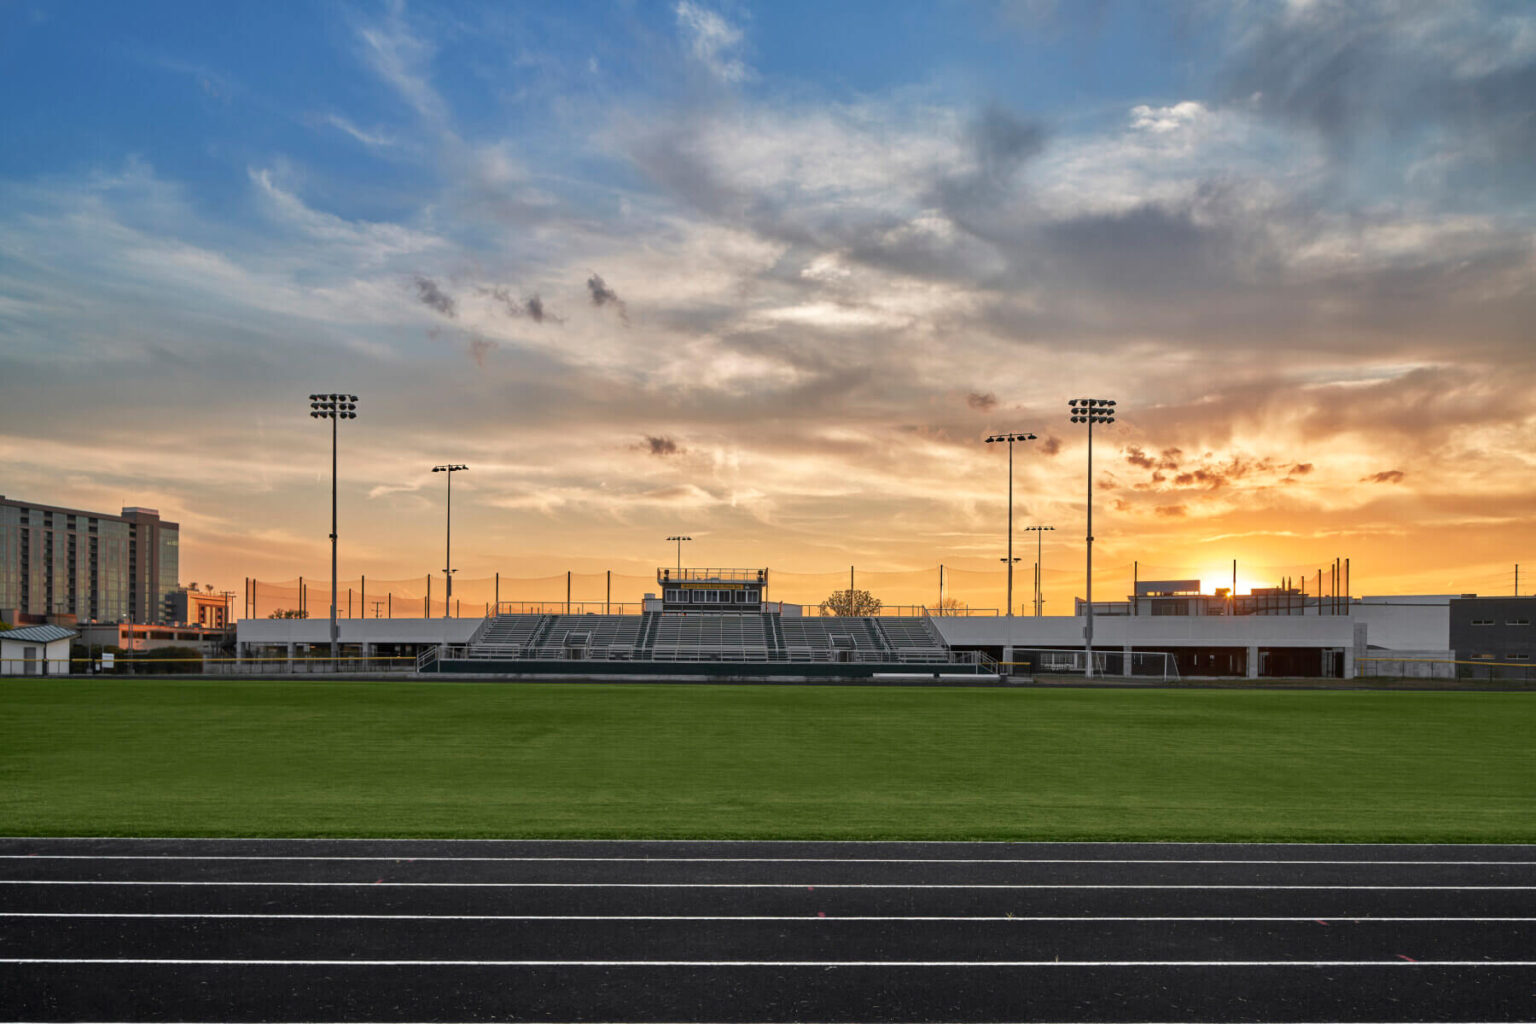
448	539
1010	437
1039	532
333	407
679	540
1091	411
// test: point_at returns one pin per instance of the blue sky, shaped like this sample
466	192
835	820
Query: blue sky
768	272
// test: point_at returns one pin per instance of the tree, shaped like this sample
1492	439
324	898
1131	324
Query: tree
947	606
287	613
851	602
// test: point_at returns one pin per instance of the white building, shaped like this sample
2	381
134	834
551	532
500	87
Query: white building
35	651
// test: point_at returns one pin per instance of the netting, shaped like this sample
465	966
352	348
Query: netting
969	588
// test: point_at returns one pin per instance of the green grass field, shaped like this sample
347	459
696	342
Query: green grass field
232	758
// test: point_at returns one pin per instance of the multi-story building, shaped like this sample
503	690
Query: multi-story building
1501	629
96	567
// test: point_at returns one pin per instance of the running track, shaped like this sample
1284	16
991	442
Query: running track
407	930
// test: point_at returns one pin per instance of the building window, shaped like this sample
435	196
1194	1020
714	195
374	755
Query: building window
1519	657
1517	622
1482	657
1482	622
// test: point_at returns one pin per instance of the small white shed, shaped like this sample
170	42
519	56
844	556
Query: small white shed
35	651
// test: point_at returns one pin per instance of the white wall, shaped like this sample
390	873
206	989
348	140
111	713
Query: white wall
1409	622
1148	631
13	658
356	631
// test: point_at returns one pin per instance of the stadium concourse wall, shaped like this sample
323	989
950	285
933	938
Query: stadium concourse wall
1248	645
1244	645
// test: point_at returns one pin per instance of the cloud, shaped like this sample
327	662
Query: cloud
981	401
712	41
660	446
602	295
1168	458
431	295
1050	446
534	307
1387	476
1172	511
479	348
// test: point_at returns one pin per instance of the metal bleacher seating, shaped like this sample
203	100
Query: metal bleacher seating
601	636
673	636
722	637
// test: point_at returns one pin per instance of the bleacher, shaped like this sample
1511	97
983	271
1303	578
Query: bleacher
728	637
912	638
810	639
714	637
607	637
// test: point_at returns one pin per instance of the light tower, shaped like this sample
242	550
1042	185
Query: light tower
1091	411
448	540
333	407
1010	437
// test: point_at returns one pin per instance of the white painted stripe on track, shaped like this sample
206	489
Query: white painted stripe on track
760	842
185	962
740	860
773	885
1304	918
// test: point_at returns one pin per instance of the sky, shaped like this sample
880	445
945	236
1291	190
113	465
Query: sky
767	274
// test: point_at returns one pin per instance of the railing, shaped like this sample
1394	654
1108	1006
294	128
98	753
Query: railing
733	654
1467	669
569	607
669	575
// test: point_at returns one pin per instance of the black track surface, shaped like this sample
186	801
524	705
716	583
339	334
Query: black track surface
405	930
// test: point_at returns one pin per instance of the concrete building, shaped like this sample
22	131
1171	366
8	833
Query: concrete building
74	565
186	607
35	651
1494	629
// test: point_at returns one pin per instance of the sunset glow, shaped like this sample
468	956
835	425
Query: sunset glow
767	274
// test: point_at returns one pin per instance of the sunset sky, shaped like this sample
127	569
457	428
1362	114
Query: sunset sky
766	274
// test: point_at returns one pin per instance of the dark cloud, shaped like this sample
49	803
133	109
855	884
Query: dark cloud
660	446
1173	511
1168	458
1301	468
531	307
431	295
602	295
503	296
534	307
981	400
1050	446
1387	476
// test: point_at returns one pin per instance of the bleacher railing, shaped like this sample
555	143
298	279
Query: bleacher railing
728	653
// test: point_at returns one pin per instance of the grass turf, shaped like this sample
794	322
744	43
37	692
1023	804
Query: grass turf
248	757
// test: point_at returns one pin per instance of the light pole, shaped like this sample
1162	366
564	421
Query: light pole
1010	438
1039	532
1091	411
448	540
333	407
679	540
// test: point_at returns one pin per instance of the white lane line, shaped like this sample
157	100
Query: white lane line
776	885
743	860
1304	918
188	962
760	842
